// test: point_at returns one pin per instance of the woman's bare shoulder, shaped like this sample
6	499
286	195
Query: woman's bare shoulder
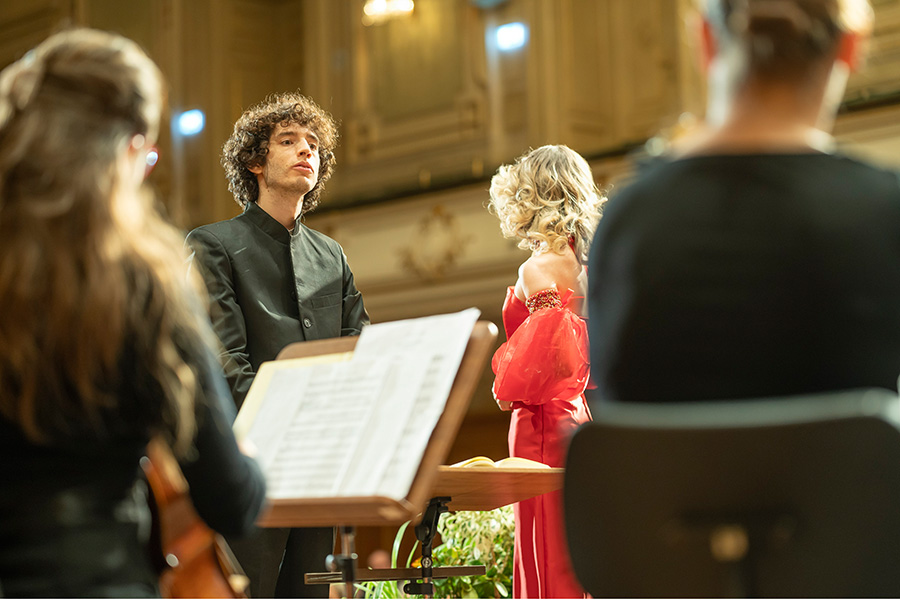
550	269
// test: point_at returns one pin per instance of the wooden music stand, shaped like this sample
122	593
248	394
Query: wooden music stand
348	512
376	510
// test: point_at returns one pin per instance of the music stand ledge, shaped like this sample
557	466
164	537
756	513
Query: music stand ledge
487	488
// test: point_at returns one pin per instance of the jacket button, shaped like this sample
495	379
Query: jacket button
307	323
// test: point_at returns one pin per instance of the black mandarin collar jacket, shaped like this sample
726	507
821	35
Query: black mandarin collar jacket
270	287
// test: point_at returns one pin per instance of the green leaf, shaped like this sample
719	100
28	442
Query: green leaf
397	540
412	553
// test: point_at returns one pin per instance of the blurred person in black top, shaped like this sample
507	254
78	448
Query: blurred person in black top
753	260
105	342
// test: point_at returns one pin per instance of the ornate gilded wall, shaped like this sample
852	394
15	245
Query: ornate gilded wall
429	107
430	102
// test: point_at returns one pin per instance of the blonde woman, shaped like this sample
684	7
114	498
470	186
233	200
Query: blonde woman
548	200
104	342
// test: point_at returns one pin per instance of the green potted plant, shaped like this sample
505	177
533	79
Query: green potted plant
467	538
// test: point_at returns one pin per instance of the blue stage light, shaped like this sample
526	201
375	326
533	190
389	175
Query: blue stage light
191	122
512	36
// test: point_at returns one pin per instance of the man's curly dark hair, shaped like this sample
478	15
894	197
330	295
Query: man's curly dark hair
249	143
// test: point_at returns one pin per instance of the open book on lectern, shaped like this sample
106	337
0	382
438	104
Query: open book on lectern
341	435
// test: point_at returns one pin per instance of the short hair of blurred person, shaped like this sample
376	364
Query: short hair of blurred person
808	47
88	268
249	142
779	38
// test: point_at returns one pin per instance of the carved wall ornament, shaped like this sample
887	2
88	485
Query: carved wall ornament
436	246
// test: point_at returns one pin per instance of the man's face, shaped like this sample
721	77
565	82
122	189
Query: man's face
292	163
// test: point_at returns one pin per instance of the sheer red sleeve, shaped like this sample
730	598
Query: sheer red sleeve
546	358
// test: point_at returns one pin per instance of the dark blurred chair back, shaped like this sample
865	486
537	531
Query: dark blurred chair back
778	497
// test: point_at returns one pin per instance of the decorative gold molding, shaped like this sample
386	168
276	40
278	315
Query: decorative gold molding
435	247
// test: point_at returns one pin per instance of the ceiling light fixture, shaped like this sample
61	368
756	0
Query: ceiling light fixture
379	11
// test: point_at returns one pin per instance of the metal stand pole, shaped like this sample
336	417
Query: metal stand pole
425	532
346	561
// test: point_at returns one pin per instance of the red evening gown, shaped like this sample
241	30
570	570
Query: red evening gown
543	369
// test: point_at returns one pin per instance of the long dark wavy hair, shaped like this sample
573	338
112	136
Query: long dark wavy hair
93	290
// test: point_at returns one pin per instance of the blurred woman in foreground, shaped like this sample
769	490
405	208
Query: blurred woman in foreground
104	342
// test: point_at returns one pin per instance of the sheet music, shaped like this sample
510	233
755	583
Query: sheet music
271	424
411	443
311	423
360	427
386	426
438	335
442	341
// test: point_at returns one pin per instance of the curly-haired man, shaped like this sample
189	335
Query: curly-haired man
273	281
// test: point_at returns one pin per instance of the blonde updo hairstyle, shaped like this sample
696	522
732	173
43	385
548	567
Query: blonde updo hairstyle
546	198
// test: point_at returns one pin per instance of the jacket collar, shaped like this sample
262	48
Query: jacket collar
269	225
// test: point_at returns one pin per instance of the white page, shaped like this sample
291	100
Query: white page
410	447
333	403
253	400
271	424
441	334
386	426
439	342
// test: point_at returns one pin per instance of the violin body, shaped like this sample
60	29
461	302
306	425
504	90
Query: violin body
195	560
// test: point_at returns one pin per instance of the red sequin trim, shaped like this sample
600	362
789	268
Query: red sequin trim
548	298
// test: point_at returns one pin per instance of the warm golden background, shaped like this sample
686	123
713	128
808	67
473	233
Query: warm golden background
429	107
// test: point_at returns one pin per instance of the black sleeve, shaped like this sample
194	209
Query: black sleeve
227	487
354	314
209	256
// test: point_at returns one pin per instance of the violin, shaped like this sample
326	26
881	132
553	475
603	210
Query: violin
194	561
